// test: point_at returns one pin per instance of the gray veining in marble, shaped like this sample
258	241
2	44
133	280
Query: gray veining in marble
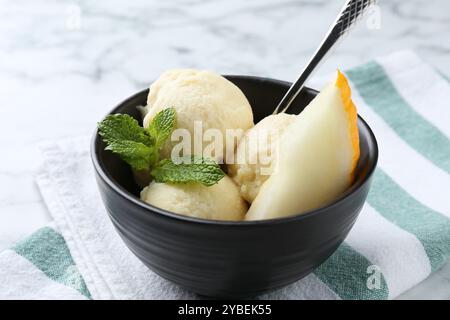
63	64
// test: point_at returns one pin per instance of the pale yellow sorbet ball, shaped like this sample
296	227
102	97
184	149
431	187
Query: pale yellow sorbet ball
256	154
221	201
199	96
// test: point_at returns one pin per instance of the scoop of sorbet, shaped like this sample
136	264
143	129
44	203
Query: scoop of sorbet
221	201
256	154
202	100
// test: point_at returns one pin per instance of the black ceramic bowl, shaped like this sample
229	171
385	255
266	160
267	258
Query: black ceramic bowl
230	259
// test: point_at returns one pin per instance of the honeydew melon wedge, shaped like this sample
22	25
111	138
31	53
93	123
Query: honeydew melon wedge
317	157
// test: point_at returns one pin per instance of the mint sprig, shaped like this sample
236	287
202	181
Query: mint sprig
190	169
139	148
136	154
124	136
122	127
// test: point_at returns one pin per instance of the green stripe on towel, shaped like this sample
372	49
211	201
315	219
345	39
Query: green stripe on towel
347	272
47	250
429	226
443	75
379	93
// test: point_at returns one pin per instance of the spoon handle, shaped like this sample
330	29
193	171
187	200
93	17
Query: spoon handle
351	11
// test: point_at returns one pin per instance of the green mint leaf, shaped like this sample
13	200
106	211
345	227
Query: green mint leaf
136	154
124	136
196	169
162	126
121	127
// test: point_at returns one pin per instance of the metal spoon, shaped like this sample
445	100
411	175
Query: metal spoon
351	11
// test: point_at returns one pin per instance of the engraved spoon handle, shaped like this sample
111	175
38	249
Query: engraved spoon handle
351	11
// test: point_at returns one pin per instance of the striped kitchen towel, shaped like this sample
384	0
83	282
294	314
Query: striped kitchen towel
401	236
41	267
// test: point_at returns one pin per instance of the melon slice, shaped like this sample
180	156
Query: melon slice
317	157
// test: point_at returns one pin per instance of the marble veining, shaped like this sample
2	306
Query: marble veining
65	63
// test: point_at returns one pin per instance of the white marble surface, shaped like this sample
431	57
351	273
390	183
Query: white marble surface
63	64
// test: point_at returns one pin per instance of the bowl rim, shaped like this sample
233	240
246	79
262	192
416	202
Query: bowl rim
119	190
